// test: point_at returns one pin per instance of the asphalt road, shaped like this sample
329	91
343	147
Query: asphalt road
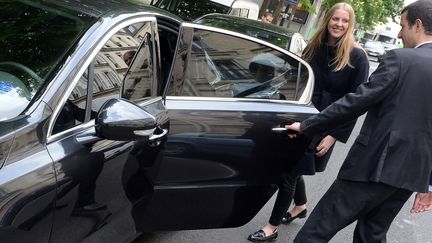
407	227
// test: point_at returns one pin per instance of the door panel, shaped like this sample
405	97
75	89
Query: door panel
221	162
100	181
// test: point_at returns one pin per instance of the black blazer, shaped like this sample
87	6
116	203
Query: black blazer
395	143
329	87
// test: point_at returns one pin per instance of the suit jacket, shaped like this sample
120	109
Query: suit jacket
395	143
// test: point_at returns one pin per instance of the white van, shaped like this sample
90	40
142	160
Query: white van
192	9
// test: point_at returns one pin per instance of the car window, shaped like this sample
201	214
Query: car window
222	65
139	80
73	111
241	12
122	60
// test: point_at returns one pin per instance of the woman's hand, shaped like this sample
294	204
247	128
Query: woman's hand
325	145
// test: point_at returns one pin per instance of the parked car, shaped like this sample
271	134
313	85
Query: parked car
192	9
374	49
282	37
118	118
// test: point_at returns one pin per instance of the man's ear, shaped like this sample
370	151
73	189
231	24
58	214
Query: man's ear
419	25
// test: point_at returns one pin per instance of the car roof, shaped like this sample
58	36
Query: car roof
236	23
373	42
100	8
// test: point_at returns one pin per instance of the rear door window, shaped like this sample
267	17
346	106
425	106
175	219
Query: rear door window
226	66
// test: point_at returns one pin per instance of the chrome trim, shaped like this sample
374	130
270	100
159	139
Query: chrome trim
144	133
71	131
155	137
224	99
108	30
155	57
239	106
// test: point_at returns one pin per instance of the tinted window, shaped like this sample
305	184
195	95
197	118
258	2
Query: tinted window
225	66
121	58
73	111
34	40
139	80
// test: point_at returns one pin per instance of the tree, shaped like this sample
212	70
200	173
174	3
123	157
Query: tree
371	12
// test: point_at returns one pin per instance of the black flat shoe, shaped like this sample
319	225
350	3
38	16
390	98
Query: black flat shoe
260	236
287	219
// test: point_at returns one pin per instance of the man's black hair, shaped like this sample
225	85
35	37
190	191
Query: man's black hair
421	9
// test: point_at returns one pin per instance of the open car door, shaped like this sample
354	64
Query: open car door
220	164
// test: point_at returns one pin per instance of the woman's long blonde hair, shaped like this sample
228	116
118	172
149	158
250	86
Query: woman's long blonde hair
343	46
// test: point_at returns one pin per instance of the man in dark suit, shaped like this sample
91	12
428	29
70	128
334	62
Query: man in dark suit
392	156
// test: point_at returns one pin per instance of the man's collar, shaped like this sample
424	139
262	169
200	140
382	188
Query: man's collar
426	42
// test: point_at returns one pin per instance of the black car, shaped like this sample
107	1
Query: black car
118	118
192	9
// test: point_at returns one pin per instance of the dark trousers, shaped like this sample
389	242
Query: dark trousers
291	186
373	205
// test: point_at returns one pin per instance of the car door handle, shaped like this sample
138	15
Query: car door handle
283	130
157	137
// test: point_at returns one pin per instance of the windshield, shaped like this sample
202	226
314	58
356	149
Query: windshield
34	40
192	9
375	45
386	39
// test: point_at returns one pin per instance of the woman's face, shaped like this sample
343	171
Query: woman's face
338	25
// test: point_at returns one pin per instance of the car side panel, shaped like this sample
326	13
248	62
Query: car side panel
27	181
104	173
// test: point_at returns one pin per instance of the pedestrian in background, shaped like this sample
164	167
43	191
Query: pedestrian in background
267	17
339	67
391	158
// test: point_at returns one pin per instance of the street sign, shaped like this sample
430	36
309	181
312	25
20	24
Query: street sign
291	2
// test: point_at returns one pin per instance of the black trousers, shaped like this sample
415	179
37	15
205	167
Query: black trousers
291	186
373	205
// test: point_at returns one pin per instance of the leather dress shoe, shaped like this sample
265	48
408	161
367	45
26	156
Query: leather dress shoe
287	219
260	236
90	208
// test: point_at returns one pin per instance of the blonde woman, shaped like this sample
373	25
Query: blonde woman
339	67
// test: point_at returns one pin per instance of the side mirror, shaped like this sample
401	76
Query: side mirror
122	120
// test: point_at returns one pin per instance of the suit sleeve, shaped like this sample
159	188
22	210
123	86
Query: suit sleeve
360	75
430	183
381	84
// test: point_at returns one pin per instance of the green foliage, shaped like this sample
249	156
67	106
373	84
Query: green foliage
371	12
307	6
